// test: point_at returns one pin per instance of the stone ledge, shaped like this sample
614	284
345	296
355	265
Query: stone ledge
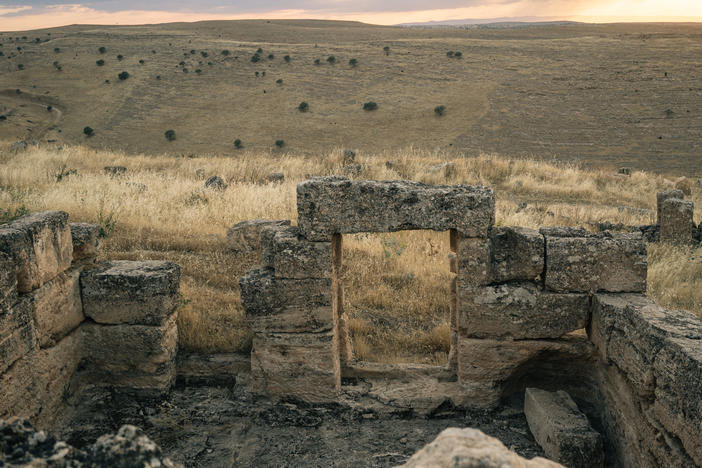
293	257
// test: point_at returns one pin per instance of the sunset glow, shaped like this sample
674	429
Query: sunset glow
18	17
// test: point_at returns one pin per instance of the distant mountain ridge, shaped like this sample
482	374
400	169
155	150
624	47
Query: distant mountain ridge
507	22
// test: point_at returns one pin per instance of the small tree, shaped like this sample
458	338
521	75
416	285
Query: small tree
141	62
370	106
449	53
100	63
386	49
123	75
120	57
198	71
102	50
88	131
279	81
48	108
20	66
271	56
353	62
259	51
279	143
255	58
204	54
225	52
317	61
303	107
439	110
331	59
458	54
287	59
57	50
238	144
170	135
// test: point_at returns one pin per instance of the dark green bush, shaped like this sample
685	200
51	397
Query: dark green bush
123	75
279	81
370	106
287	59
386	49
225	52
271	56
353	62
331	59
303	107
449	53
120	57
279	143
102	50
255	58
57	50
170	135
238	144
458	54
88	131
141	61
439	110
317	61
100	62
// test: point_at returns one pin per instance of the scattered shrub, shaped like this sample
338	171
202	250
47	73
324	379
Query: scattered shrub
100	62
259	51
158	77
198	71
331	59
141	61
317	61
279	81
182	63
225	52
271	56
185	70
193	51
20	66
57	50
370	106
255	58
204	54
386	49
88	131
170	135
153	51
287	59
303	107
449	53
279	143
458	54
120	57
102	50
48	108
257	73
263	73
353	62
439	110
238	144
123	75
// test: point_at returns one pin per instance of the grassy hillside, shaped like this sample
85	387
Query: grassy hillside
396	284
612	95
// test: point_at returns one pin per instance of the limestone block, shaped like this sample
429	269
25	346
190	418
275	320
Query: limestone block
86	240
562	430
336	205
264	294
299	365
472	261
595	262
662	197
37	385
520	311
139	293
676	221
137	357
8	282
485	366
57	307
517	254
292	256
470	447
294	320
245	236
17	334
40	244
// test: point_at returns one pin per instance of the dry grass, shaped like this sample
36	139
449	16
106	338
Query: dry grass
396	284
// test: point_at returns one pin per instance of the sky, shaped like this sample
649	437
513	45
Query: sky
35	14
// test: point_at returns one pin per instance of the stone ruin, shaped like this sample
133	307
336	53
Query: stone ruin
558	309
557	317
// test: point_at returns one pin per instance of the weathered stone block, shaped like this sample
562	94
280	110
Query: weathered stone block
8	282
676	221
472	260
595	262
294	320
86	240
17	334
245	236
470	447
120	291
292	256
336	205
562	430
264	294
662	197
485	366
57	307
517	254
298	365
137	357
40	245
520	311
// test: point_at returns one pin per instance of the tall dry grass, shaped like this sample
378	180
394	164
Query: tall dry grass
397	284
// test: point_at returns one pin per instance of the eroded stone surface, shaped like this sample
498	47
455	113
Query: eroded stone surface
8	282
245	236
594	262
264	294
676	221
661	197
336	205
520	311
292	256
40	246
17	335
86	240
57	306
562	430
469	447
121	291
517	254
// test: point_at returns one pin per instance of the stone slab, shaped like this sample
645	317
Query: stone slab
596	262
662	197
86	241
473	266
517	254
294	320
128	292
40	245
520	311
58	309
562	430
292	256
337	205
676	221
264	294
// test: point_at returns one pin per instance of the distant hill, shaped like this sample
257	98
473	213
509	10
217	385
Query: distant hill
507	22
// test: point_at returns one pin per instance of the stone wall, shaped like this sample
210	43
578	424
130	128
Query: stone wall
67	321
529	308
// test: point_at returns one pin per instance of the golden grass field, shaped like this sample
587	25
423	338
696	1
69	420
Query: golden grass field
396	284
619	94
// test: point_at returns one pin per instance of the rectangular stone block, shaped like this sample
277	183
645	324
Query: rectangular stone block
676	221
595	262
138	293
245	236
294	320
40	245
17	334
662	197
472	261
517	254
562	430
520	311
296	365
487	367
292	256
138	357
58	309
8	282
86	241
264	294
336	205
